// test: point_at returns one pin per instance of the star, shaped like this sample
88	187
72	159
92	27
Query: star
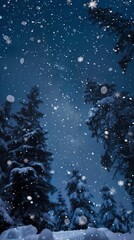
117	94
92	4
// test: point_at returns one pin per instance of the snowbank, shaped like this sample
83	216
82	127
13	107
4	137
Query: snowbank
30	233
89	234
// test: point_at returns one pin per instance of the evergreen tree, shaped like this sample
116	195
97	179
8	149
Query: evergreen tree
126	219
5	137
30	170
108	216
96	91
116	24
81	206
29	138
61	214
111	120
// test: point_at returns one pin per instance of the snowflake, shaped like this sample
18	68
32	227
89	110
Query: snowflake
52	171
104	90
38	8
24	23
83	178
120	183
130	134
129	212
112	190
55	108
29	198
32	39
32	216
9	162
110	69
117	94
10	98
92	4
106	132
22	60
72	140
80	59
25	160
69	2
7	39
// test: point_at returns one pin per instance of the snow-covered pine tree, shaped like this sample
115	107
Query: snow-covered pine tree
108	215
30	170
82	213
126	219
5	128
111	120
61	214
114	23
96	91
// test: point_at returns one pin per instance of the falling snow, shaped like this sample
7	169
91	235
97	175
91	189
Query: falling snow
92	4
10	98
54	45
80	59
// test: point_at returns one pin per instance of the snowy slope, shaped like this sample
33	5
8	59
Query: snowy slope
30	233
93	234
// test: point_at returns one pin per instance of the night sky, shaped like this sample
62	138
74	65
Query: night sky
52	43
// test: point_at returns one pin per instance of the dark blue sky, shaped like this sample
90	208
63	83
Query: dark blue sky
41	43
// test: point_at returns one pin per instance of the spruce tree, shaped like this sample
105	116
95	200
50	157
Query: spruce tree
111	120
61	214
126	219
96	91
30	169
123	28
108	215
82	213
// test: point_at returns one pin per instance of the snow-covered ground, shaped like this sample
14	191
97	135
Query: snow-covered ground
30	233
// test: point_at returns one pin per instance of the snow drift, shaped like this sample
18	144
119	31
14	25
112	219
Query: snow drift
30	233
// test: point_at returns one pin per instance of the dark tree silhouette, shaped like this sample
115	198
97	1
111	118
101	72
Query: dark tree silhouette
61	214
114	23
111	120
108	215
95	91
126	218
30	169
5	137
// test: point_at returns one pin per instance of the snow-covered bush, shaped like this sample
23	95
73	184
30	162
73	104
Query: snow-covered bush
79	220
